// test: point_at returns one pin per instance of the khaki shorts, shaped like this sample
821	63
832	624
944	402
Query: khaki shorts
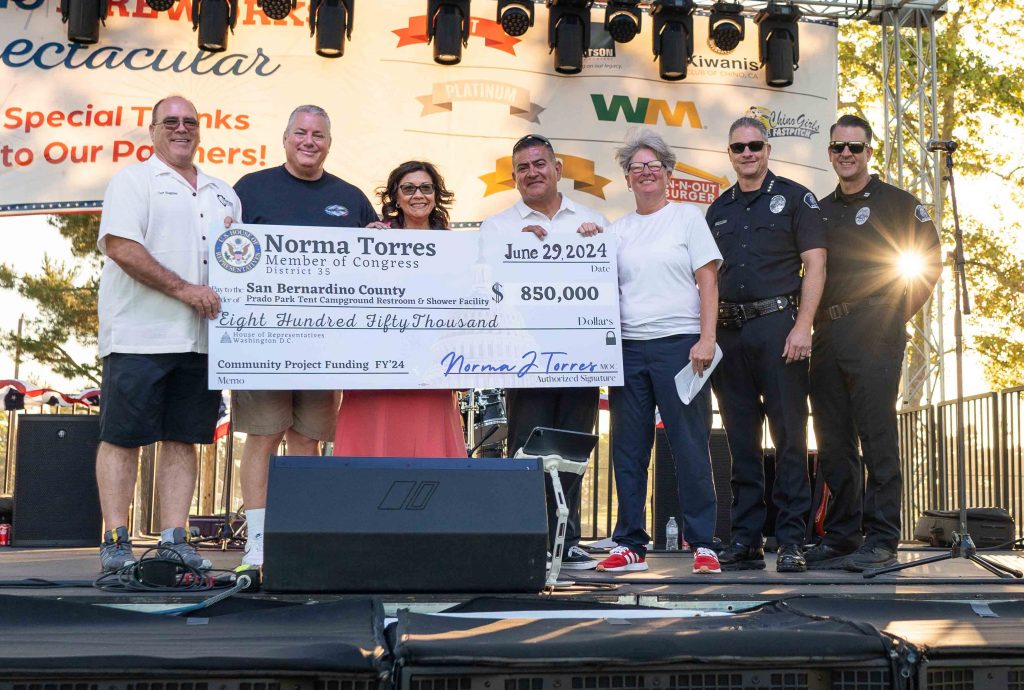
311	413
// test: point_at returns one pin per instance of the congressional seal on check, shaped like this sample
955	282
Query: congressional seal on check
333	308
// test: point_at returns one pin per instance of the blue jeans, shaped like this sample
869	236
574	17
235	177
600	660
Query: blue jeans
649	369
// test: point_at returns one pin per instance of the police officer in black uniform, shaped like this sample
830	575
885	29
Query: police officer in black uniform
875	231
768	229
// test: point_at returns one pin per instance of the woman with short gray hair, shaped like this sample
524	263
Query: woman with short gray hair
668	301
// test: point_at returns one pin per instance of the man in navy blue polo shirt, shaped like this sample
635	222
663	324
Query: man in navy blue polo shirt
300	192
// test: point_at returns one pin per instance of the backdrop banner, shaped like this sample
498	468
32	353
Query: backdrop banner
73	115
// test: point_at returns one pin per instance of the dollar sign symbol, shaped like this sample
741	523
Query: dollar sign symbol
498	295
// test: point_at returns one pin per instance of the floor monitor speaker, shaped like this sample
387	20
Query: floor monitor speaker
405	525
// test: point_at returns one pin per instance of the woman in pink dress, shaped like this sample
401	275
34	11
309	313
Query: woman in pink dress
404	423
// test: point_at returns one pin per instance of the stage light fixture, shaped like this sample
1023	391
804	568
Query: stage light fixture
448	29
331	22
515	16
726	26
673	37
274	9
569	33
622	20
212	19
83	18
779	42
160	5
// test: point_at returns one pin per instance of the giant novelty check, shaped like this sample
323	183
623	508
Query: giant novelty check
307	308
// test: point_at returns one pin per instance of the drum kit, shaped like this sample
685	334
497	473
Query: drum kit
485	422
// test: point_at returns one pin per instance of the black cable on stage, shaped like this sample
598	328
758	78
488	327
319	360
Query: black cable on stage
159	573
43	583
1006	545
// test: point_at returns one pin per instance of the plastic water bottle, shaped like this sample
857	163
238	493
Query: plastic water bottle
672	535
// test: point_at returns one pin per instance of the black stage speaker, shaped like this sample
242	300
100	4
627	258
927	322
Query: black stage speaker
666	495
405	525
56	502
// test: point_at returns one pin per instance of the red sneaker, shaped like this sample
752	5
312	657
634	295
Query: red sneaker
705	561
623	558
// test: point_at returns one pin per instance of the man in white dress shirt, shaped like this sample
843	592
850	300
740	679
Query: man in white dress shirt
543	210
154	301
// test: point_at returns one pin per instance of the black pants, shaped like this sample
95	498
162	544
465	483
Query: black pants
855	374
570	409
753	382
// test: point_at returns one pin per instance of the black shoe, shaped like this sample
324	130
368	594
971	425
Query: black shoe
790	559
870	557
740	556
825	557
576	558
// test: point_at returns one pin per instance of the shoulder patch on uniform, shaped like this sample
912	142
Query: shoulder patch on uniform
922	214
810	201
862	215
777	203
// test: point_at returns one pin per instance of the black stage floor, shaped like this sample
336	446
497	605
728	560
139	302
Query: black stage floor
668	582
948	626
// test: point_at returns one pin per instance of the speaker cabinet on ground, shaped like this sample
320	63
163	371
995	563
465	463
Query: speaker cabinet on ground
405	525
56	502
666	495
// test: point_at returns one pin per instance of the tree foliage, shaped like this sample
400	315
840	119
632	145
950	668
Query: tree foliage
65	302
980	99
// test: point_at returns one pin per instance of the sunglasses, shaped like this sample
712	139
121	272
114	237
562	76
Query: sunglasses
855	147
426	189
532	140
755	146
172	123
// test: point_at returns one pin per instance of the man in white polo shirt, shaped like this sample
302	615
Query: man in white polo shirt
543	210
154	301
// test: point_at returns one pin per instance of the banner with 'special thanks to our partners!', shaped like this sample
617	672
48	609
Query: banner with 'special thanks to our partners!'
72	115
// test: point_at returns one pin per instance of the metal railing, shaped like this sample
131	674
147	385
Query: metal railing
993	456
994	464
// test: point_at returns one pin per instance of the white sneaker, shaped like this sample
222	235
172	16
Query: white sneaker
254	551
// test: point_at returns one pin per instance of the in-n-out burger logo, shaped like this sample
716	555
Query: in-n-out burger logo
701	187
782	124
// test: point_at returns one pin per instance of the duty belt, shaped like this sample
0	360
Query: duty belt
735	314
838	311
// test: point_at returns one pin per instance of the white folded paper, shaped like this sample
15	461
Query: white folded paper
688	384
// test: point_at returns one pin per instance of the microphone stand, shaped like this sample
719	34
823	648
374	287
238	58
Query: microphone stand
962	545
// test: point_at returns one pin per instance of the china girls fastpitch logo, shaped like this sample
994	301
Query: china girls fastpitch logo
237	251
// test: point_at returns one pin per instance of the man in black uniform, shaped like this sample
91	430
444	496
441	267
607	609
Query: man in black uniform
768	228
859	341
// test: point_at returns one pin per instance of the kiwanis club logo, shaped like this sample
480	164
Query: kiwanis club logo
238	251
